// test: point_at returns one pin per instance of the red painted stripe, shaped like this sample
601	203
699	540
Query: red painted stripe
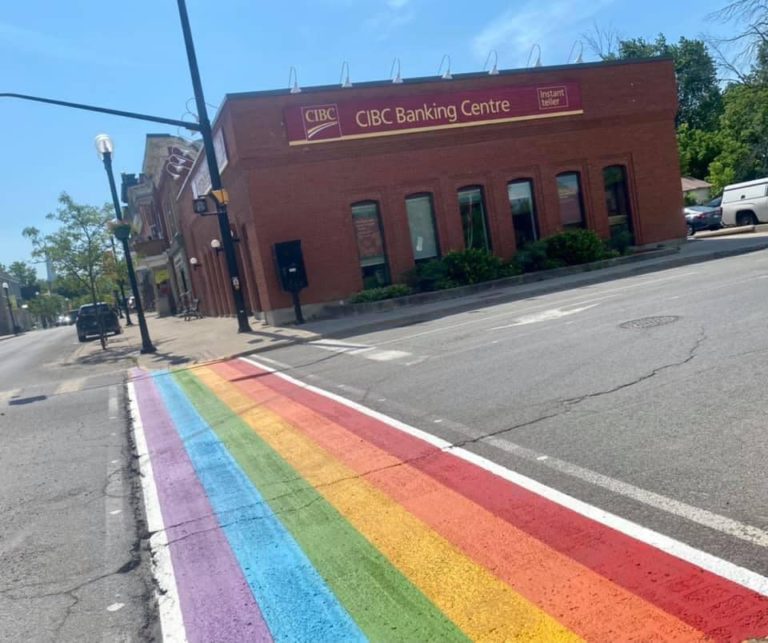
721	608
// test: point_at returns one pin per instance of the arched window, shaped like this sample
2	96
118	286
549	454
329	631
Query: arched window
370	244
571	200
473	218
617	202
523	207
421	222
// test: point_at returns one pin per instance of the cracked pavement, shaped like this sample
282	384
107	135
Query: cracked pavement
675	409
73	547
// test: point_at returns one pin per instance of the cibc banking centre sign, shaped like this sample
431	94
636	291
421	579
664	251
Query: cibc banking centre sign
387	116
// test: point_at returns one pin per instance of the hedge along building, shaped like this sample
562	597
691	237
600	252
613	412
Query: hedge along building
377	176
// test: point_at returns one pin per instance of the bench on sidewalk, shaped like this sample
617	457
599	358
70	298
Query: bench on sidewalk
192	310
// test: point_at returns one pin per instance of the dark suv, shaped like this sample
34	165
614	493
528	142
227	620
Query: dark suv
88	322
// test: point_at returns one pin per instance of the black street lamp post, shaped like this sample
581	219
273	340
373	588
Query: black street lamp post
105	147
6	288
121	287
213	169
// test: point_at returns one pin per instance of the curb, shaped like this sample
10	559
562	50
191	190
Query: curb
345	311
724	232
545	288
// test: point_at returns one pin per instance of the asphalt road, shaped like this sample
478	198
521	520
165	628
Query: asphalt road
71	562
643	396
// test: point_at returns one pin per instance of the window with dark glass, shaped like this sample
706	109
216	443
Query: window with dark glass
370	244
571	201
473	218
421	221
617	202
523	211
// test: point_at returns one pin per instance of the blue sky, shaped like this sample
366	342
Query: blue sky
130	55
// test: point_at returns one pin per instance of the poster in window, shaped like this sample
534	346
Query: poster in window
369	241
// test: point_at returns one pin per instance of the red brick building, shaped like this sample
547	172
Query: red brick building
375	177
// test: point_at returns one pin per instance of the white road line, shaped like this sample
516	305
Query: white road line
280	365
740	530
112	404
385	356
70	386
167	594
723	568
337	346
359	350
602	294
544	315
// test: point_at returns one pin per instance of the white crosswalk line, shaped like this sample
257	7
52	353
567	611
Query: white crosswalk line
361	350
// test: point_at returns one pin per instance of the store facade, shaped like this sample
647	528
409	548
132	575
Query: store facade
376	177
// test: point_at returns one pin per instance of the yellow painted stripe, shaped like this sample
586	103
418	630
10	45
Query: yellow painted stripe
478	602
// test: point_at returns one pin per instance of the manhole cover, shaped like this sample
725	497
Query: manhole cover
650	322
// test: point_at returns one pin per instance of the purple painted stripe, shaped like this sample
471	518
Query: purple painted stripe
216	601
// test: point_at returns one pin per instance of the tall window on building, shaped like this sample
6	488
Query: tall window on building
370	244
617	203
473	218
571	200
421	221
523	211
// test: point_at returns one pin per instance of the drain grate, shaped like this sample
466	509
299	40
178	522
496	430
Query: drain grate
650	322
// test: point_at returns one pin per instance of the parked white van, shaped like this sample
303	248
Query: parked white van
745	203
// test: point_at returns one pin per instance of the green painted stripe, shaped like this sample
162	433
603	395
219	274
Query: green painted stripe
382	601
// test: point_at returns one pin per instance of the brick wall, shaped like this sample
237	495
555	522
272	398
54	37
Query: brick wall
281	192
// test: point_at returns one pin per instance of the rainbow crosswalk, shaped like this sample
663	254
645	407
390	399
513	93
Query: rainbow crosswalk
292	515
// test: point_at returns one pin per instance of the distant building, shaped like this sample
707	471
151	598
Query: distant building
695	190
150	199
50	271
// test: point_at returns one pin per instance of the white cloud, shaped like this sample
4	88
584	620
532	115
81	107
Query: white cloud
515	31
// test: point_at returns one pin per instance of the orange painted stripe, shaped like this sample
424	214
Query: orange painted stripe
479	603
585	602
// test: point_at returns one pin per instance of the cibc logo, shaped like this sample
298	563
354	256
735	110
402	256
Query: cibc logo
321	122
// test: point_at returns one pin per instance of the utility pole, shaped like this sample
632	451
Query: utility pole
213	169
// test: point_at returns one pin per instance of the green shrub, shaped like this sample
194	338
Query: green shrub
472	266
532	257
574	247
377	294
621	239
428	276
510	269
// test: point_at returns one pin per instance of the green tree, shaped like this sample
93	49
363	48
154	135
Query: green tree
698	94
25	274
744	145
698	148
47	307
77	249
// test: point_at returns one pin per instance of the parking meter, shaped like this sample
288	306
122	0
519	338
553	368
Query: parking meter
293	275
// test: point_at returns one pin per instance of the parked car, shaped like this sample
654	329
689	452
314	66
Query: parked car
745	203
704	217
88	320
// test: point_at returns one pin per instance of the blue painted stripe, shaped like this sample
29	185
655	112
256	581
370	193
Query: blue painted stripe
296	602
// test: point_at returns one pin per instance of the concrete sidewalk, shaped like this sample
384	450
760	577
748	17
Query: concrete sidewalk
179	342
